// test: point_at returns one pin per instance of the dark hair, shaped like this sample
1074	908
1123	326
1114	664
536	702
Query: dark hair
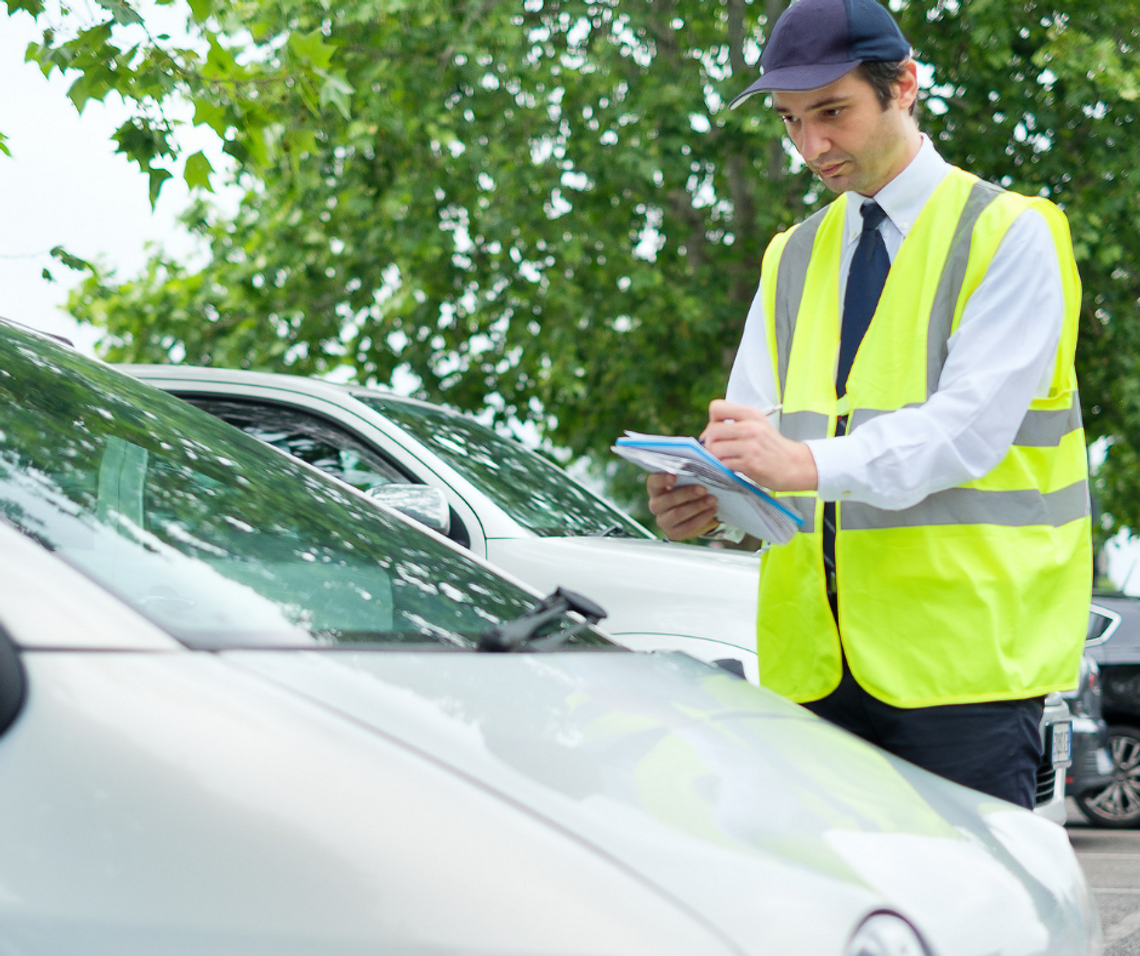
883	76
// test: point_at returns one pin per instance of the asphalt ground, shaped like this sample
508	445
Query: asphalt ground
1111	861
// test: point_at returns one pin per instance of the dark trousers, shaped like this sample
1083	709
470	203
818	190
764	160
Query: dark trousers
994	747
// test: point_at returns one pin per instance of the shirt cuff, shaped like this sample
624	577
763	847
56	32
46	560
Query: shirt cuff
833	482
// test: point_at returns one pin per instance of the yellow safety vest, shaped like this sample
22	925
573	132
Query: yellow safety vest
980	592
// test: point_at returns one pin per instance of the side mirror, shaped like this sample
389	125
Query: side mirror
425	504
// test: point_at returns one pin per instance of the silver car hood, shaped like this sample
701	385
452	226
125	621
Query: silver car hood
684	774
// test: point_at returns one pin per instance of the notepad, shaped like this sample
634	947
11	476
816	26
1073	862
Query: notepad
741	503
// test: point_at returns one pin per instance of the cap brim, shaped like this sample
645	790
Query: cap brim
796	78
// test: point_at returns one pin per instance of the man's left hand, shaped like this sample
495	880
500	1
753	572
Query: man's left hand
742	438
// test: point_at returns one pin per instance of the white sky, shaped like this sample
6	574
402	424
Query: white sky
65	185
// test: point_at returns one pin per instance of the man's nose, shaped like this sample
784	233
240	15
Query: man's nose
814	142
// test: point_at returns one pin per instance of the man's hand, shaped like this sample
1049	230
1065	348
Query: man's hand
681	513
743	439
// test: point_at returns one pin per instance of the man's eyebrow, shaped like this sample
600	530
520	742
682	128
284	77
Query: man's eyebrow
818	105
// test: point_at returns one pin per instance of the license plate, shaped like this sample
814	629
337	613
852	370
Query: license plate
1062	742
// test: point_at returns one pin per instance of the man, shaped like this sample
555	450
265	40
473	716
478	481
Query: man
920	350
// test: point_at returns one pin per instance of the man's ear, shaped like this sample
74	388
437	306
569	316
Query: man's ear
906	87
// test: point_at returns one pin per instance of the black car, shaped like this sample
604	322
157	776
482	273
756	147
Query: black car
1114	643
1092	768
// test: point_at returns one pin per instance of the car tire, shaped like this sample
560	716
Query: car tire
1117	806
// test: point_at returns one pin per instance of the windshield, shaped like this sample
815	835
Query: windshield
537	494
215	537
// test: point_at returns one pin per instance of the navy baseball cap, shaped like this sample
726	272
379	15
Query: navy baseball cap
815	42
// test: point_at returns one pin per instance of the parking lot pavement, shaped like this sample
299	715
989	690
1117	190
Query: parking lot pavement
1111	860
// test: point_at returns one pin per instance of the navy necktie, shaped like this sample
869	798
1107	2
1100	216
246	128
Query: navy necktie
869	268
865	282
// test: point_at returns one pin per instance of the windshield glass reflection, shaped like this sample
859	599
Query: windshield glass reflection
220	540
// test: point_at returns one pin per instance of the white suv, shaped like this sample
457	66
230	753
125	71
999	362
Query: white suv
508	504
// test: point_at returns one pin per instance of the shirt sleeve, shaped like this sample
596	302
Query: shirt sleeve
1000	359
751	381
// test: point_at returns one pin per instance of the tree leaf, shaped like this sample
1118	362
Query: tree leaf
197	172
211	114
220	63
337	91
69	260
34	7
201	9
92	85
122	11
141	141
157	176
312	47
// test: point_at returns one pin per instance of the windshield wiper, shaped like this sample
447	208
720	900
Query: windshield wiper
514	634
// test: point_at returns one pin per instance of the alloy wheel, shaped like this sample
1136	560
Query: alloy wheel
1118	804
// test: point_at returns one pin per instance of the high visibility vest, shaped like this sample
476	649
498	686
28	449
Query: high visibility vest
979	592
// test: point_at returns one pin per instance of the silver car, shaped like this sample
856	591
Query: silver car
245	710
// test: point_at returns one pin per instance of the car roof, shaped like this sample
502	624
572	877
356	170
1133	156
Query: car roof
302	383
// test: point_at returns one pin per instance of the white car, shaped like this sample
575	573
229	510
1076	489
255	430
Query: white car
508	504
244	710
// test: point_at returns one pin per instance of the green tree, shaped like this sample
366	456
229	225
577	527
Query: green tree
109	48
546	206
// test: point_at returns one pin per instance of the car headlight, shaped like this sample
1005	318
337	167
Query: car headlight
885	934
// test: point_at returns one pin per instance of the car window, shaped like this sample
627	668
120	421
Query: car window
212	535
1102	624
308	438
537	494
319	442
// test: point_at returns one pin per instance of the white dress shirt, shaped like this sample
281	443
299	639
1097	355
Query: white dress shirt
1000	358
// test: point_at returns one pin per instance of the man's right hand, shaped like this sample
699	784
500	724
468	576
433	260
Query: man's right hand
681	513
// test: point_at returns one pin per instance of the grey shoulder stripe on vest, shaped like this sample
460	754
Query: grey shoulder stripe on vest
790	279
967	506
951	281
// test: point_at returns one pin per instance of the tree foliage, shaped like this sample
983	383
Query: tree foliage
546	207
239	89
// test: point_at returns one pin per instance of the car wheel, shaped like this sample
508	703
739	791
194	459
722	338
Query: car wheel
1118	804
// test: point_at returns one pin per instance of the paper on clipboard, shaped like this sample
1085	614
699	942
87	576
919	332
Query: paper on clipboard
740	502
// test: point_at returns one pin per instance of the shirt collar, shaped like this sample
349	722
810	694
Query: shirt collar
904	196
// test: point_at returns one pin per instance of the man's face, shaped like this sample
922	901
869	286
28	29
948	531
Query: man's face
847	139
